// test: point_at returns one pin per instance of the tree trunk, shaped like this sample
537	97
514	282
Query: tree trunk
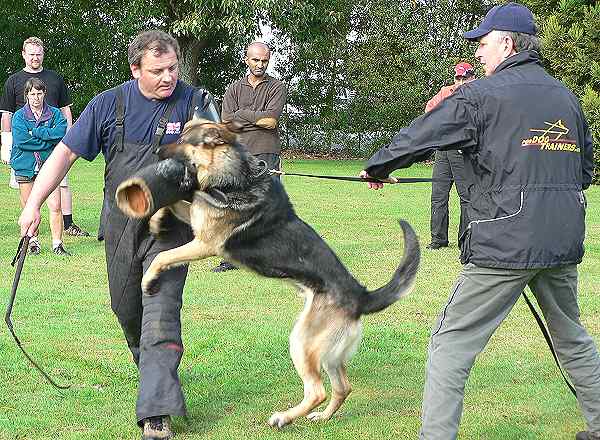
190	58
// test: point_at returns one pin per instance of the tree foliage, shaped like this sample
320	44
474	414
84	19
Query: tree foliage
361	70
357	70
85	41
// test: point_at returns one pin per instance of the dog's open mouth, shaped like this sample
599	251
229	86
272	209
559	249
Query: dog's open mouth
214	197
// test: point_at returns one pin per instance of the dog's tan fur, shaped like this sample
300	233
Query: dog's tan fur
328	330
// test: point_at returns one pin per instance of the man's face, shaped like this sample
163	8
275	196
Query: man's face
35	98
257	60
33	56
157	74
493	48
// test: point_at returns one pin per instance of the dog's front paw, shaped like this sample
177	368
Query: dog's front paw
279	420
150	285
316	416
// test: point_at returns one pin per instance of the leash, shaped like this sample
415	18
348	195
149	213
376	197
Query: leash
19	259
390	180
549	342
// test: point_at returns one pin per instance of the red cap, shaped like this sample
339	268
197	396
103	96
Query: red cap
463	69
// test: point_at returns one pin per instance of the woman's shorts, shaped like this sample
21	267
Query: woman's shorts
27	179
24	179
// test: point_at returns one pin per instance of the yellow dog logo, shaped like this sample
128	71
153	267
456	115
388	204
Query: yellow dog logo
552	138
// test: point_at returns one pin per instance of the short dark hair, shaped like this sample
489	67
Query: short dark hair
33	83
523	41
157	41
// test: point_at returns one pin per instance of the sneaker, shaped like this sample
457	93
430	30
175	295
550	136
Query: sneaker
60	250
34	247
76	231
224	266
434	246
587	435
157	428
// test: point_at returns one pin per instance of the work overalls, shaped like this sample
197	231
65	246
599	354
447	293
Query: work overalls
151	324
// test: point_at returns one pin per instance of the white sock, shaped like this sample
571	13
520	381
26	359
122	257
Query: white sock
33	240
56	243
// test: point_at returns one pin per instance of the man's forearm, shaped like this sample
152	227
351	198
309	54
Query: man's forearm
53	171
253	116
6	140
6	121
66	111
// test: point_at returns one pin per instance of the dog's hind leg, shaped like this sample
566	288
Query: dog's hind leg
192	251
306	356
343	339
340	389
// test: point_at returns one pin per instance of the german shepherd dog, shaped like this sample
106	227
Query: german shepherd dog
240	213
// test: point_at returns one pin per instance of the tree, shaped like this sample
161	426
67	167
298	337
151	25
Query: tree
85	41
313	48
212	35
363	69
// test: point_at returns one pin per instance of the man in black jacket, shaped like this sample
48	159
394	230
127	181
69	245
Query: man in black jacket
531	154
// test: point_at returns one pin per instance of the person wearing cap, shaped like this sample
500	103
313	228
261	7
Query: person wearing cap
448	167
530	148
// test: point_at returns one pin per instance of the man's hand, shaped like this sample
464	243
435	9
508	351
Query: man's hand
29	220
268	123
372	185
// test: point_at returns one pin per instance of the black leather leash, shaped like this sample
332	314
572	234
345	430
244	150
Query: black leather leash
19	259
390	180
548	339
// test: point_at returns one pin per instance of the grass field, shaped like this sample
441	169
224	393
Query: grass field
236	369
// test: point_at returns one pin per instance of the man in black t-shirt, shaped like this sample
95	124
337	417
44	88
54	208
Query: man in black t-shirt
57	96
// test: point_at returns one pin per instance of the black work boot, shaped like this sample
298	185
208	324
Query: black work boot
587	435
157	428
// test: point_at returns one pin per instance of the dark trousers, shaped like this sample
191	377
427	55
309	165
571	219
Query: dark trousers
151	324
448	165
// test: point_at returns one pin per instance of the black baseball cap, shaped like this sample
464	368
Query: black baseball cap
511	17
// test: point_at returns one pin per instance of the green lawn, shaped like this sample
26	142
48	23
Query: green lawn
236	369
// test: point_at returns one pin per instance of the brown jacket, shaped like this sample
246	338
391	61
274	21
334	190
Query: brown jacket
258	111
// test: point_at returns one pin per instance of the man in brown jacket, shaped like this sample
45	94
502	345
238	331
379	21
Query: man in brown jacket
255	102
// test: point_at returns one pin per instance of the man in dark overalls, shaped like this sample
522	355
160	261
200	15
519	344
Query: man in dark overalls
127	124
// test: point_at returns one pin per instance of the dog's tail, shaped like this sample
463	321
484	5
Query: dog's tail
404	277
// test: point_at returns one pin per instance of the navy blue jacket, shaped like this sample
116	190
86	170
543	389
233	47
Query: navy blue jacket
529	151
